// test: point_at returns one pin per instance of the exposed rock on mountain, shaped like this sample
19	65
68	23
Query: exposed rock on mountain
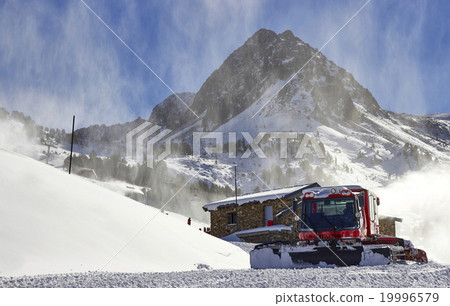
268	60
173	113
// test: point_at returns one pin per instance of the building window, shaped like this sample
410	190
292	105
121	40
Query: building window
232	218
268	215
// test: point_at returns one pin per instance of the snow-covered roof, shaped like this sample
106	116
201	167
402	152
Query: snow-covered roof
265	229
280	193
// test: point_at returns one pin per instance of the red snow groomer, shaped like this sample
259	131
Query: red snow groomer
337	226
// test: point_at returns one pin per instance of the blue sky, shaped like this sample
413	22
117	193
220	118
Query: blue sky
57	59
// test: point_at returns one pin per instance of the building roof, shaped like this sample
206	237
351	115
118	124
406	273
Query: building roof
390	218
280	193
263	230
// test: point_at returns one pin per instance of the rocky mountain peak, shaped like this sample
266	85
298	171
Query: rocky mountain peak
246	74
262	36
267	60
287	35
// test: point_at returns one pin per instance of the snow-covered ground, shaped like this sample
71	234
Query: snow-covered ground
430	275
208	170
53	222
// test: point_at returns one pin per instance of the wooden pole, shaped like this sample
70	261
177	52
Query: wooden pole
235	194
71	145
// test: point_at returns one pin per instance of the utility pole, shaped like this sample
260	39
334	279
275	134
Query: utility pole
235	194
71	145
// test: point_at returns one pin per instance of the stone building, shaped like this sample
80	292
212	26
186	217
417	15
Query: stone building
387	225
258	217
266	216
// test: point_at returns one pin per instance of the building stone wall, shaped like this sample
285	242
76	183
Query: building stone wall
387	225
250	215
267	236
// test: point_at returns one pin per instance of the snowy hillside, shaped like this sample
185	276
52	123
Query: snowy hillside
442	116
20	134
52	222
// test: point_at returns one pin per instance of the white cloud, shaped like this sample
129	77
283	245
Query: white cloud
60	64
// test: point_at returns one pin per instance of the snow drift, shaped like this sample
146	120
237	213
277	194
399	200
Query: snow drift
51	222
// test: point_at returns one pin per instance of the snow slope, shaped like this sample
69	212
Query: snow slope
52	222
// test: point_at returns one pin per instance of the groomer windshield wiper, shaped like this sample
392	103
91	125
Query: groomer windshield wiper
329	222
310	222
